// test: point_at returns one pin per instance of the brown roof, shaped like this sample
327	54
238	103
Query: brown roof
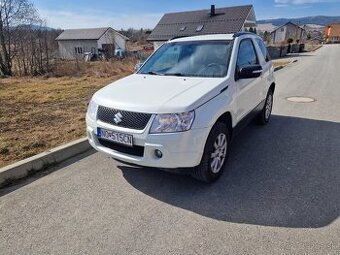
227	20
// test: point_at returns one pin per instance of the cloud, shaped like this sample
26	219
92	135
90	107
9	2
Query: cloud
282	3
90	19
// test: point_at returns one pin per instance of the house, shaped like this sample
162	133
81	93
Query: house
210	21
288	31
332	33
74	43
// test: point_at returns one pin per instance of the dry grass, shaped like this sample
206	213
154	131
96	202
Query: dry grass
37	114
277	63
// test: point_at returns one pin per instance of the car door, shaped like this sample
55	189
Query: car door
249	90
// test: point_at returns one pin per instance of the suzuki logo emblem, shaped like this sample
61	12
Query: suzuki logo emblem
118	118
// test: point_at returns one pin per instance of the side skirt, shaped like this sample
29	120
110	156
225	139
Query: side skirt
248	118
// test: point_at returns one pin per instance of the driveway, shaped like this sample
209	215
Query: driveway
281	194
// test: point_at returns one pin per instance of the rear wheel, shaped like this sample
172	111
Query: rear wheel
266	112
214	155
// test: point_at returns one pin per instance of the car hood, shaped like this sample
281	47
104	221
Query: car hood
158	94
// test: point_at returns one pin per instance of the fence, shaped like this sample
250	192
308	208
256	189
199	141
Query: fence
283	50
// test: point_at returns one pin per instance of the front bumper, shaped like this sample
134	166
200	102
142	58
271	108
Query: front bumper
183	149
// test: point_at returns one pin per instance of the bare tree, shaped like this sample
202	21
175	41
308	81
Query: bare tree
13	15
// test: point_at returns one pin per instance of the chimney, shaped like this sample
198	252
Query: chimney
212	11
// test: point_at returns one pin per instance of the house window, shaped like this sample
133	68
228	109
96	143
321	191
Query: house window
78	50
282	29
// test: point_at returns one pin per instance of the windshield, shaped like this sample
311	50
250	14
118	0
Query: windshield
200	58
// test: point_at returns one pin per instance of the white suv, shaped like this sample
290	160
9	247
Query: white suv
181	108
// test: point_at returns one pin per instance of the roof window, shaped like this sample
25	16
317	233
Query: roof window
199	28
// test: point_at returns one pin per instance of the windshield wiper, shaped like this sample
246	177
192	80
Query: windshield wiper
175	74
152	73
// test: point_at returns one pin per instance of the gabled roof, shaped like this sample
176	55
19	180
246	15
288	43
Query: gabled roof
84	34
288	23
225	21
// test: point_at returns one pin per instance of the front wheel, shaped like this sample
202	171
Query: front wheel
214	155
266	112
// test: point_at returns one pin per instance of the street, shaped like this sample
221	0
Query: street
280	194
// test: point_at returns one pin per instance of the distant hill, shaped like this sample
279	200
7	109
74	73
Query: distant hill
44	28
318	20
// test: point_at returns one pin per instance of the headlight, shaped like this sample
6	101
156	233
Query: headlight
172	122
92	110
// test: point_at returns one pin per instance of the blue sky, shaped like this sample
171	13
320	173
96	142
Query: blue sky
146	13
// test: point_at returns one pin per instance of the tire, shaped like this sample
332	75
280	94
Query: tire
207	171
264	115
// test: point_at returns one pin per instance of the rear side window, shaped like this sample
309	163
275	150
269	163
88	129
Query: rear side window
246	54
264	50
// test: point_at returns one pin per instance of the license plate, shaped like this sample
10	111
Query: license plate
115	137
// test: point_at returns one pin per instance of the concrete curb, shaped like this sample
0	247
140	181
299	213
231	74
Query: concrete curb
283	66
39	162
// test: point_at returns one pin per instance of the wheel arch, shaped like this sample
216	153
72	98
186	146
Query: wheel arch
227	119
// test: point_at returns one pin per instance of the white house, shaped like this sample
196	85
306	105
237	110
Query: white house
288	31
73	43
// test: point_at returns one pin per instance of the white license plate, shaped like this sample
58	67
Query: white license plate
115	137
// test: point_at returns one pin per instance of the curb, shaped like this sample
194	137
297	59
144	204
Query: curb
315	49
283	66
43	160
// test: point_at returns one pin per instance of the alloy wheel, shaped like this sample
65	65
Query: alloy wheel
219	154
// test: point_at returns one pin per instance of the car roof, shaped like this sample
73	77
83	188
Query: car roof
212	37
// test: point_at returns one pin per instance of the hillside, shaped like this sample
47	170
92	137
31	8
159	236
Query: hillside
319	20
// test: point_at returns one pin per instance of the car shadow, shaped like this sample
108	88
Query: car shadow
285	174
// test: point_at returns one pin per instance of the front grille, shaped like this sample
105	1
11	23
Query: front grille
132	120
135	150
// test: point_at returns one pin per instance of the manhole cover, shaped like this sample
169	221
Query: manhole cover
301	99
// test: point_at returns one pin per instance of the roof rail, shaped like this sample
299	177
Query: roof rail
238	34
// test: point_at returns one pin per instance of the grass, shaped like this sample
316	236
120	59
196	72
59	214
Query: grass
37	114
277	63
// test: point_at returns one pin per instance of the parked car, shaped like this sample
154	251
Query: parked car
182	107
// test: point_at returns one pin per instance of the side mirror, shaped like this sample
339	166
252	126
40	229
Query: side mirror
248	72
138	65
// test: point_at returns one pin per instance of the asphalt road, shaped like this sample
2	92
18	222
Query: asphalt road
281	194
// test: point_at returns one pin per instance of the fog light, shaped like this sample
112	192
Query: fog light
158	154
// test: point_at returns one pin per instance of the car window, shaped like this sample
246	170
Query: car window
170	58
190	58
246	54
263	49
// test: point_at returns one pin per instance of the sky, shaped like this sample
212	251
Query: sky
146	13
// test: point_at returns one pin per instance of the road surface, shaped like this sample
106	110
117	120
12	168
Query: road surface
281	194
